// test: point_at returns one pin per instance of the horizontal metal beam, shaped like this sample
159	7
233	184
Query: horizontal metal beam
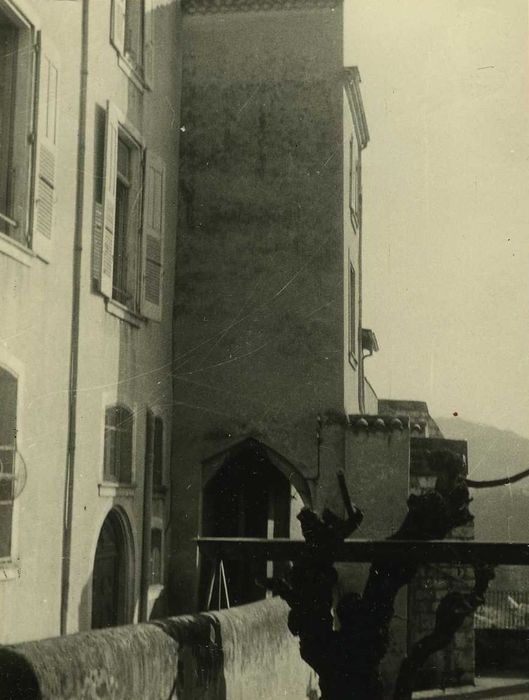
409	551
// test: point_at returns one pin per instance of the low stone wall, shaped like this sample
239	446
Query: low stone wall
245	653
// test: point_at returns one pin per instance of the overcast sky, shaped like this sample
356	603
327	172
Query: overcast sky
445	86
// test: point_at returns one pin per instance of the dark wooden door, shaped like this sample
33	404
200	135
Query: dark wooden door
107	598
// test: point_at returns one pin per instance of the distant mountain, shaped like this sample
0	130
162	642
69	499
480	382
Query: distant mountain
501	514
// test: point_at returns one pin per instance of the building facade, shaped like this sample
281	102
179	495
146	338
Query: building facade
182	348
89	166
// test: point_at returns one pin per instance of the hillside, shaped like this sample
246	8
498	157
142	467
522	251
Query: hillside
502	514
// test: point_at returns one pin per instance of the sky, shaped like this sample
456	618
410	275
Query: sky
445	85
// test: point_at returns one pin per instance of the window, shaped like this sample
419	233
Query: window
132	35
354	180
134	12
128	224
352	312
157	473
156	557
118	444
29	99
8	425
125	278
16	95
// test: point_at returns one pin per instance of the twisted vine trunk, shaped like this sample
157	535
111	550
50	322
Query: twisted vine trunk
347	660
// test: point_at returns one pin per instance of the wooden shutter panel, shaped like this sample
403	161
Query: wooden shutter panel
152	240
45	193
117	24
148	43
109	199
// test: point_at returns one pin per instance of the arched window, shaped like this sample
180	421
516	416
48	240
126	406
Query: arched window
119	425
8	432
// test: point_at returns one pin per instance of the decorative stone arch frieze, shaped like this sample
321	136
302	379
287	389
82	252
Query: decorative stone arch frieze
203	7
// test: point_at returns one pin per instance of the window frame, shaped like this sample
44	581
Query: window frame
352	317
140	73
110	479
146	230
354	180
134	141
157	526
26	21
10	566
159	487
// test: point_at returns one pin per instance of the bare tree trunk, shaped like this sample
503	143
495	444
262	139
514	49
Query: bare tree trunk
347	660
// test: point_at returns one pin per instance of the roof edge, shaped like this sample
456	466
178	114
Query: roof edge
206	7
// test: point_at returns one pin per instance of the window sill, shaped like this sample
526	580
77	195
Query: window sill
120	311
132	73
352	360
9	570
17	251
108	488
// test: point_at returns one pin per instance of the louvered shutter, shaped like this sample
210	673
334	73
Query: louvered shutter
148	43
45	192
109	199
117	24
152	239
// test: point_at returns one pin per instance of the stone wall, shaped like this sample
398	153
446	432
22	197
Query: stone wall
240	654
453	665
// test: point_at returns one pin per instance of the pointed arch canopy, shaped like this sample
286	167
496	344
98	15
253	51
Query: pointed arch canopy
212	465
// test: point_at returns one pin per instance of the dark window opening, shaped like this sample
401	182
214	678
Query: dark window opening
8	429
118	444
157	473
156	556
248	497
16	94
111	571
352	312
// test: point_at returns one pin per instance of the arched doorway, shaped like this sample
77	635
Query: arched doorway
110	599
246	494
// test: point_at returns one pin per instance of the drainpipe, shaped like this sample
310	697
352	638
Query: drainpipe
147	517
74	344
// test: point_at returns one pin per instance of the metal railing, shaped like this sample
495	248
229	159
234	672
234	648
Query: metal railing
504	610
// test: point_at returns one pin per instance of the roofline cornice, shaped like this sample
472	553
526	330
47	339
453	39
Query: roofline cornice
206	7
352	82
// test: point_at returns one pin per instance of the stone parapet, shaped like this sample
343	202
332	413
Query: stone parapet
240	653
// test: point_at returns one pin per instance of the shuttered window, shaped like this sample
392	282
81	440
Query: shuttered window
352	312
20	57
119	426
153	237
156	556
132	34
158	470
129	221
8	432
